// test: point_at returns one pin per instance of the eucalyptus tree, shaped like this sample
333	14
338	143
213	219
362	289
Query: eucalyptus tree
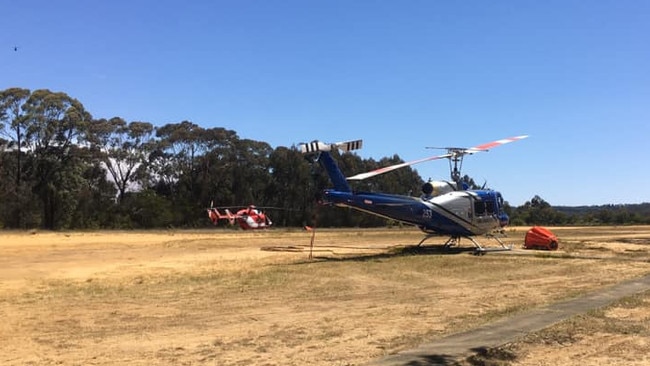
123	149
216	168
536	212
179	165
250	162
13	195
291	187
55	125
12	121
180	144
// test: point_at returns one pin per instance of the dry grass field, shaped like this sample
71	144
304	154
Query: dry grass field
223	297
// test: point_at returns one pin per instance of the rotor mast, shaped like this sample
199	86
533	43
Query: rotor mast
456	157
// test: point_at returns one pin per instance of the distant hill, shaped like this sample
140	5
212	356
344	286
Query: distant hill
603	214
638	208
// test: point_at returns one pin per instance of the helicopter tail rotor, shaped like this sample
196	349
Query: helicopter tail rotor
213	215
317	146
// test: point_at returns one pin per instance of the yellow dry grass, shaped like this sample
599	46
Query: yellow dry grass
214	297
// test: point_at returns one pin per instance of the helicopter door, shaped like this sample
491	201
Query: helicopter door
484	211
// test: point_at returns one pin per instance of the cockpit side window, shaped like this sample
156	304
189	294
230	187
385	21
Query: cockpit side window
479	208
489	207
499	202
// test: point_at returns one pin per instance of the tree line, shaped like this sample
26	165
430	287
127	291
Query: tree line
539	212
61	169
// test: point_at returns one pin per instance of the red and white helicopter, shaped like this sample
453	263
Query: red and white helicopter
248	218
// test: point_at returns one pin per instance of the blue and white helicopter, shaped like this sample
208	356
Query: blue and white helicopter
444	209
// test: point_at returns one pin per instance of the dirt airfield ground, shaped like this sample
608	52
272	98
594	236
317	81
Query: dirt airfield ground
224	297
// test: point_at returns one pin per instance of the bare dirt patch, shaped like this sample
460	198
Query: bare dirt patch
214	297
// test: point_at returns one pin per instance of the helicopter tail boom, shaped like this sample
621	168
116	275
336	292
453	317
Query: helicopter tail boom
326	160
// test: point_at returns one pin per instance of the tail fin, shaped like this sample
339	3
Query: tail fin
213	215
326	160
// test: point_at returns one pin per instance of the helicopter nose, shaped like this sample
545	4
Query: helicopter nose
504	220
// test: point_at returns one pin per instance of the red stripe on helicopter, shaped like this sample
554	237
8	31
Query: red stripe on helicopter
492	144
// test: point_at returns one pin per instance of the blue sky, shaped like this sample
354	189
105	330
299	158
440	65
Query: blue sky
401	75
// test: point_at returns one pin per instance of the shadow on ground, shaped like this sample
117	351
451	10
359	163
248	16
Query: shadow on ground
392	252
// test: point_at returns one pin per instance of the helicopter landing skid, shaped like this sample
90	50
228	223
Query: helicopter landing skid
479	250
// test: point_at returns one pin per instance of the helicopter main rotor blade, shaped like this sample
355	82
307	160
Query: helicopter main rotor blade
241	207
452	153
387	169
489	145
